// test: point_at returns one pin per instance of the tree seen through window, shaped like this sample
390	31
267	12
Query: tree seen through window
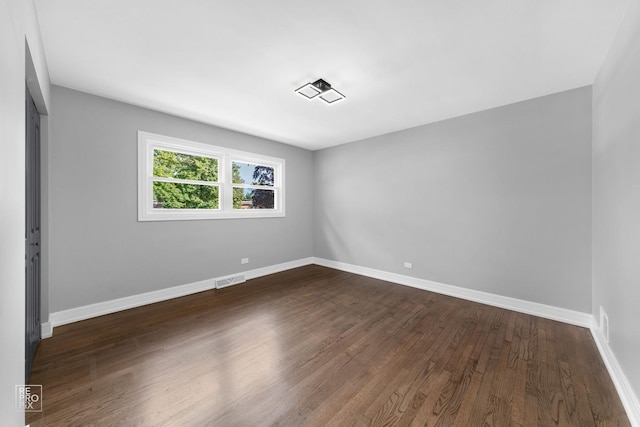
181	195
251	189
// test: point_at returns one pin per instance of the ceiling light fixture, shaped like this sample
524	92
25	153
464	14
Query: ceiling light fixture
321	89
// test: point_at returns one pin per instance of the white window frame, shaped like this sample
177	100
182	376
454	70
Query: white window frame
148	142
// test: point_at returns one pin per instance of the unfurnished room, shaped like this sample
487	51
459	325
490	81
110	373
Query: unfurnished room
347	213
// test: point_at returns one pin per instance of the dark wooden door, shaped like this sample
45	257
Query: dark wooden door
32	233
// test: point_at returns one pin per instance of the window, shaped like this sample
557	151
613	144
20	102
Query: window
181	180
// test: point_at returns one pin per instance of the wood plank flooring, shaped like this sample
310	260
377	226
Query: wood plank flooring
319	347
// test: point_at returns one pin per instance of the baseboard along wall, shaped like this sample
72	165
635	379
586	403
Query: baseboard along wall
522	306
627	396
76	314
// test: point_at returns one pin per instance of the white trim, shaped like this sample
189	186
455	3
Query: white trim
46	330
98	309
620	381
112	306
272	269
522	306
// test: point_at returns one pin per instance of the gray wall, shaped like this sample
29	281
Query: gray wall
616	194
497	201
99	251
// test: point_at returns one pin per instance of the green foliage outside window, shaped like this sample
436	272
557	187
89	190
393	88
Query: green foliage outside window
238	193
175	195
171	195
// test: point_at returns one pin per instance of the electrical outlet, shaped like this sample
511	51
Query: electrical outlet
408	264
604	324
244	261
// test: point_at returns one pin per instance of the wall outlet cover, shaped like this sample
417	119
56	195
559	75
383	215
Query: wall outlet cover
604	324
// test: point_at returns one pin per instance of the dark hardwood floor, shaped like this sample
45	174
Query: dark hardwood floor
319	347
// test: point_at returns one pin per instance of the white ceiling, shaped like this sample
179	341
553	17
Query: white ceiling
401	64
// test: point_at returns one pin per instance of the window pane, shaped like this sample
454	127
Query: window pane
168	164
171	195
249	173
249	198
241	200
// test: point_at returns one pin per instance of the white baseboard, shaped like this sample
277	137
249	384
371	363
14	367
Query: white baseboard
98	309
627	396
522	306
93	310
272	269
46	330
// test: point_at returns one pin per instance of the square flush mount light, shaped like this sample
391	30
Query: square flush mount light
322	90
